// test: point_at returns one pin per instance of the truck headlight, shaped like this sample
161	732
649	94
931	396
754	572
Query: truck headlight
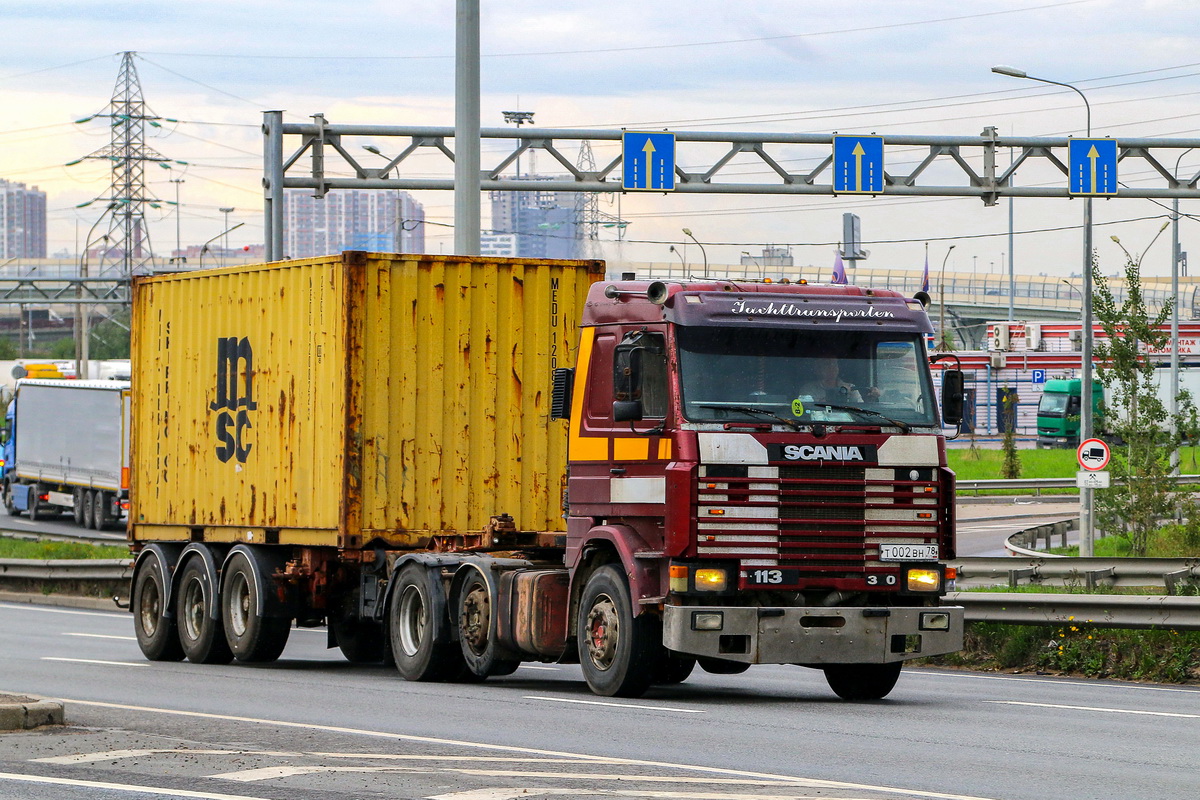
923	580
708	620
710	580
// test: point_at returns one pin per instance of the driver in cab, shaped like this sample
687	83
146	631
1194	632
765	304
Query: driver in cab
826	385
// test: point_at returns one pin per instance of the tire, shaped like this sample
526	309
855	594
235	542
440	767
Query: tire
35	511
9	505
77	509
360	640
89	509
419	629
862	681
249	636
157	634
477	630
673	669
722	666
618	651
100	513
202	637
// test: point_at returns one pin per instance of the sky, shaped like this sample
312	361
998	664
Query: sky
912	68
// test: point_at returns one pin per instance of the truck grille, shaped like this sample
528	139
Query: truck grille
820	525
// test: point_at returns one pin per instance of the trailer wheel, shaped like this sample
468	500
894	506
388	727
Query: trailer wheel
674	668
100	515
157	634
9	505
200	634
616	649
251	637
35	512
89	508
722	666
862	681
418	626
477	629
77	508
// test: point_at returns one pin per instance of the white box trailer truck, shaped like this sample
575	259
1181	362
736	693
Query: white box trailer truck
67	451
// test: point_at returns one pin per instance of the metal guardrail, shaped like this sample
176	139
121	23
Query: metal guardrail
1100	611
1173	574
1036	485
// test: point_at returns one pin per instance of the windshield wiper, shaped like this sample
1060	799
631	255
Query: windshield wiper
903	426
752	410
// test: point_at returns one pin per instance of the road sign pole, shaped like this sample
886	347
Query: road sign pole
1087	525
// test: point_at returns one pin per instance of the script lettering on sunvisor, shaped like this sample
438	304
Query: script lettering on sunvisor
804	310
822	452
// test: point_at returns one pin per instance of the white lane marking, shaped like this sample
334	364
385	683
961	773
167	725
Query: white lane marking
532	666
407	737
1048	681
486	759
1093	708
97	661
518	793
112	755
124	787
626	777
44	609
273	773
614	705
102	636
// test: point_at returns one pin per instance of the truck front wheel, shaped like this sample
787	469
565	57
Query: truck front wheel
862	681
9	505
252	638
157	633
618	651
200	629
418	626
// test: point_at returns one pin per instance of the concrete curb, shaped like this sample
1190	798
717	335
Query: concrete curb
21	712
60	600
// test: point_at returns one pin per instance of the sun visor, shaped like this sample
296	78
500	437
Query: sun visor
763	310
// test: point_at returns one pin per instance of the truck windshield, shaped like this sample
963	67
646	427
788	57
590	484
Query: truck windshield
1053	404
804	376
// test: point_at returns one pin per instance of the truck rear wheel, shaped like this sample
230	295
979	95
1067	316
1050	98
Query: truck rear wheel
251	637
419	627
862	681
77	508
616	649
202	636
157	634
477	629
100	514
35	511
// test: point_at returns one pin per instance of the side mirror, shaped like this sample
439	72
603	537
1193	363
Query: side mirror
627	410
952	396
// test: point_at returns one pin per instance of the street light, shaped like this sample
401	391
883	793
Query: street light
942	300
688	233
397	223
518	118
1173	407
204	248
762	274
225	246
1087	526
681	261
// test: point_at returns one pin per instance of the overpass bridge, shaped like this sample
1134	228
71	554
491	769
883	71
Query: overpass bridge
971	299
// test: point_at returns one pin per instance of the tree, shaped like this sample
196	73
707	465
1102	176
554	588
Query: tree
1011	470
1135	419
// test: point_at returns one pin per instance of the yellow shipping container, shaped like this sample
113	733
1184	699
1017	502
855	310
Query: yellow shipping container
344	399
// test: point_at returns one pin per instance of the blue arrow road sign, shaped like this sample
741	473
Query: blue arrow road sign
1038	376
858	164
1093	166
647	161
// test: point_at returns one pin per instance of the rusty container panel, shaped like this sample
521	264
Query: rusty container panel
349	398
541	601
458	357
239	385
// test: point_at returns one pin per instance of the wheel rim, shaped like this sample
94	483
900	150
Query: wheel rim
239	604
414	620
476	619
193	609
150	607
603	632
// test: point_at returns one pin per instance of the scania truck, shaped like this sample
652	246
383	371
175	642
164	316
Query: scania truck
462	464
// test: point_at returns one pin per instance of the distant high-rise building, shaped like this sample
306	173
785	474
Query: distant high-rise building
378	221
546	224
22	221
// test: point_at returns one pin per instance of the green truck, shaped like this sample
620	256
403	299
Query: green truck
1060	407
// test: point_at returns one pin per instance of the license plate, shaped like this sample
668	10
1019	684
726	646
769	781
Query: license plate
908	552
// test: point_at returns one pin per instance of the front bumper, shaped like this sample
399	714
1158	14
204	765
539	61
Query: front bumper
813	636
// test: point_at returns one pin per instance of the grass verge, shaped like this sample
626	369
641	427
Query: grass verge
25	548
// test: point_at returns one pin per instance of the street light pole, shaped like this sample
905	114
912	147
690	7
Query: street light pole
225	245
942	300
1087	526
178	245
688	233
681	261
